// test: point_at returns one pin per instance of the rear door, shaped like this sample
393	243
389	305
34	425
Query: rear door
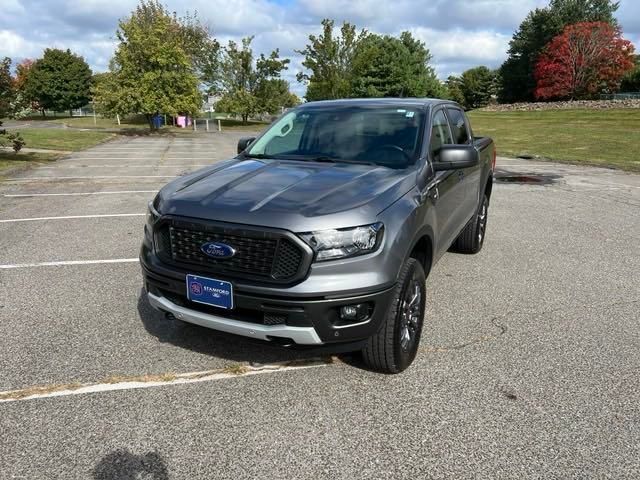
447	186
469	177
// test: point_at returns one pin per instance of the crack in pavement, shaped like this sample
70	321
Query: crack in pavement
503	328
482	339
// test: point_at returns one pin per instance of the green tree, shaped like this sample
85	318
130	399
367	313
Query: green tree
576	11
454	89
478	86
385	66
7	98
425	82
59	81
329	58
252	87
155	67
104	90
535	32
203	49
7	91
631	81
537	29
275	95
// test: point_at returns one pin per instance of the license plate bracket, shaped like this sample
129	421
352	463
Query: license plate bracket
210	291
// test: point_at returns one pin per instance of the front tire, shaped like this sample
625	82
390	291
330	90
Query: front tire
394	347
471	238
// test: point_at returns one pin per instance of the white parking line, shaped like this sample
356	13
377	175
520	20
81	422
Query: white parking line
68	217
502	165
124	166
121	192
134	383
31	179
143	157
68	262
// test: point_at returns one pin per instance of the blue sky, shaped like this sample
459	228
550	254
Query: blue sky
459	33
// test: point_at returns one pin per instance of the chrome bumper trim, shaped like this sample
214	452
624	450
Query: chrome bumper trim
300	335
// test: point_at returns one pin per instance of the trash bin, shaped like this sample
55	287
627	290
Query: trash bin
157	121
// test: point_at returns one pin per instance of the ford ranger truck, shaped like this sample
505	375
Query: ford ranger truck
322	230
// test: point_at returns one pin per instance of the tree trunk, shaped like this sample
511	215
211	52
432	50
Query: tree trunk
244	119
71	112
44	114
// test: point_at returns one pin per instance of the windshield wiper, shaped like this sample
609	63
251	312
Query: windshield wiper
328	159
257	155
324	158
361	162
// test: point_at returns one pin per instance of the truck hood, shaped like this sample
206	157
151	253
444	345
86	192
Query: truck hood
294	195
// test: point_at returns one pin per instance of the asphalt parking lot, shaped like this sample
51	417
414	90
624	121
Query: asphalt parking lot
529	364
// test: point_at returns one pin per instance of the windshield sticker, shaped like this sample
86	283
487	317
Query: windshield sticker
410	114
401	110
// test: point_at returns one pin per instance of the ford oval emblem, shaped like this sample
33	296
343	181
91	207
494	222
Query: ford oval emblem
217	250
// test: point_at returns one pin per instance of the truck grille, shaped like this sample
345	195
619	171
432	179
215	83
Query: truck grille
258	254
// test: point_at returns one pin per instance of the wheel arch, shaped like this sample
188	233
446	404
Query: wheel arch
422	250
488	187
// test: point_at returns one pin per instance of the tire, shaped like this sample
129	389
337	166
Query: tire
472	237
390	350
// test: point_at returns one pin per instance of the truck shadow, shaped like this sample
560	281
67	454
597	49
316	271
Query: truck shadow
209	342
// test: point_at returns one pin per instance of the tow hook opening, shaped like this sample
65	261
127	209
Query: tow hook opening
282	341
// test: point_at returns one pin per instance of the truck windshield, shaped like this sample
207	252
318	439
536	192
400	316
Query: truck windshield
386	136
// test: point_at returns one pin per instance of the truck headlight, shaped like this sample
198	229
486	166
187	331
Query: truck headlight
344	242
152	218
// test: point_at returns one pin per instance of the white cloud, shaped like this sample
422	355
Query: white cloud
237	17
483	47
14	45
437	14
460	33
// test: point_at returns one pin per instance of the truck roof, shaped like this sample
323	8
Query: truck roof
405	102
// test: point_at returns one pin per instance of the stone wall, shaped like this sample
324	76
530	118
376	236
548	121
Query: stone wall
590	104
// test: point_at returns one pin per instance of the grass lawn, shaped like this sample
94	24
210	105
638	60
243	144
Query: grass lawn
232	124
10	160
59	139
594	137
139	123
104	123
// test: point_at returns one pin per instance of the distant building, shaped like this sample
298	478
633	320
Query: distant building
209	102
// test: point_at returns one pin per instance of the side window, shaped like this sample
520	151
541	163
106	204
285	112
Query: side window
458	126
440	134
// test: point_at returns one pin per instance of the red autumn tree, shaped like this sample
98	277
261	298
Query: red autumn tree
22	72
585	59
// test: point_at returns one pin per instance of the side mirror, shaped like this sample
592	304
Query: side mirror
453	157
244	142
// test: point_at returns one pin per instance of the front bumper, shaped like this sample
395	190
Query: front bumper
305	321
299	335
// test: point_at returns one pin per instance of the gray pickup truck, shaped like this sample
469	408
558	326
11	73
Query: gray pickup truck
321	232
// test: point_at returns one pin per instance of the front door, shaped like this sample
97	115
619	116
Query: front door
447	191
470	177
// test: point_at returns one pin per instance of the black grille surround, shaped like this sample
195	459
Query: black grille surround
262	254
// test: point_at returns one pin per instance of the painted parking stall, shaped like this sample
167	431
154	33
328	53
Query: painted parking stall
89	368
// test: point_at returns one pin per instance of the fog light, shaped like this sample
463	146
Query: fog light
349	312
355	313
